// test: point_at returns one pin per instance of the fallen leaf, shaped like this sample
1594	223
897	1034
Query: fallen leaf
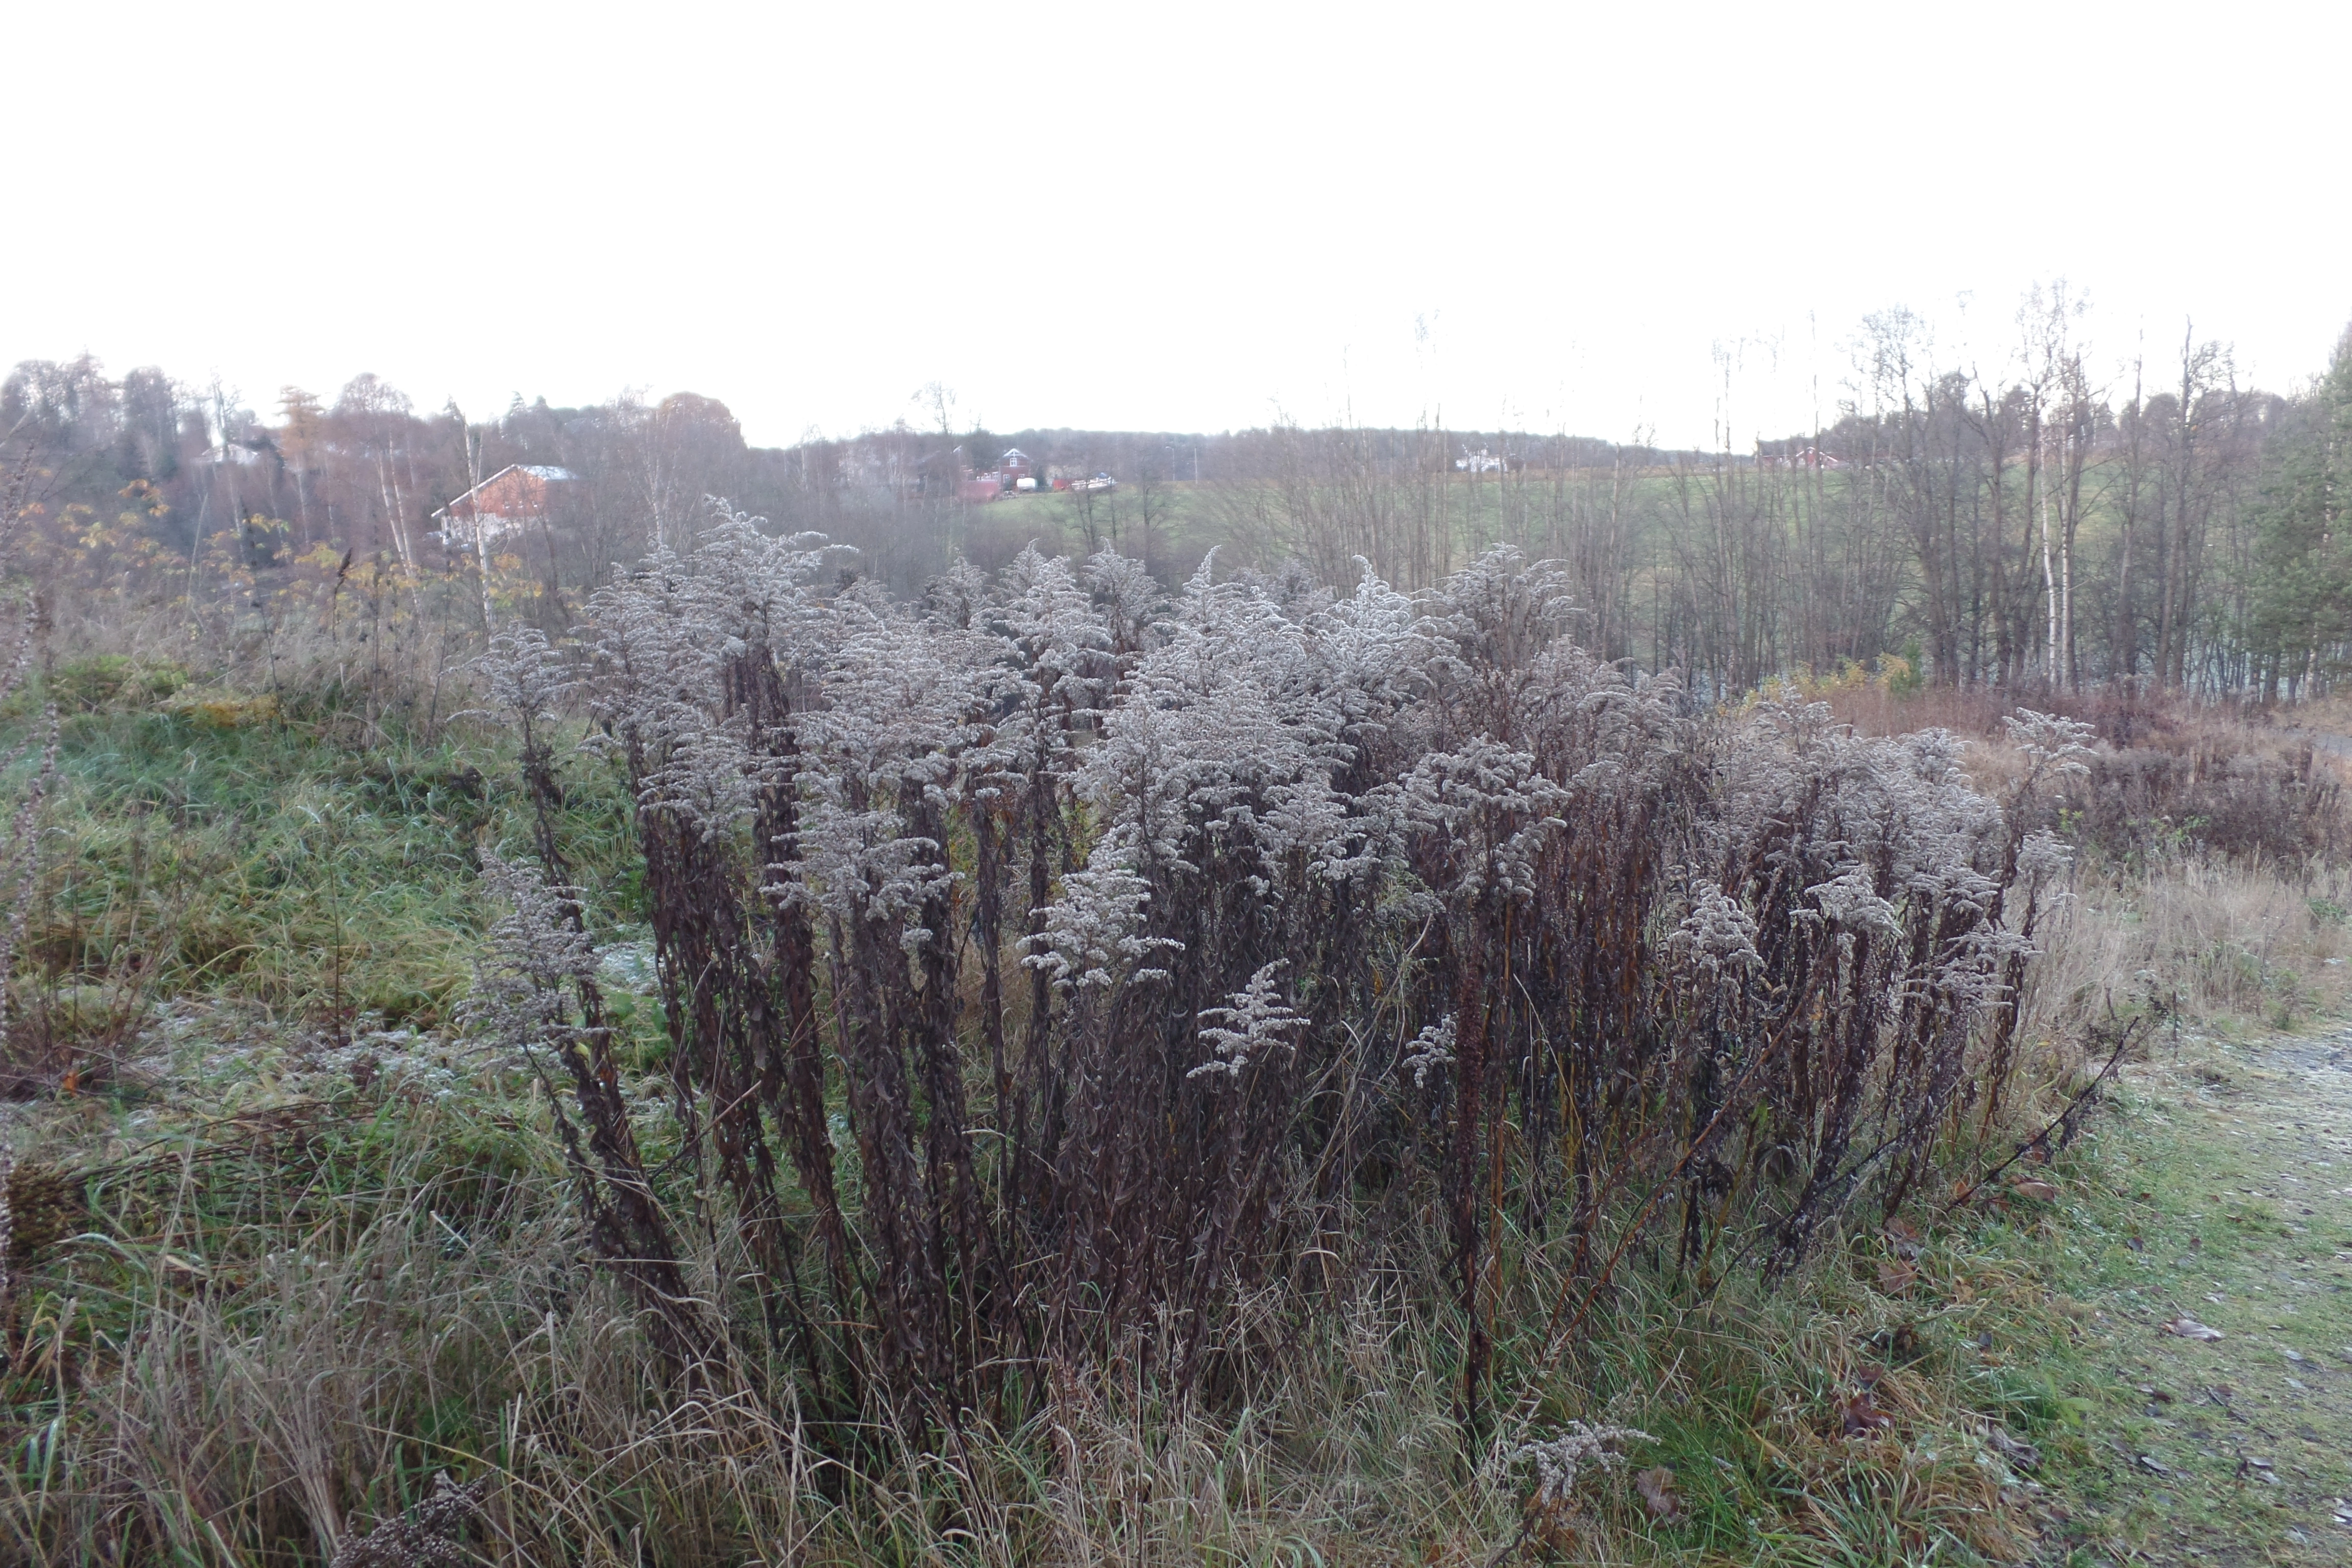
1658	1489
1859	1415
2032	1188
2024	1455
2190	1329
2153	1466
1896	1278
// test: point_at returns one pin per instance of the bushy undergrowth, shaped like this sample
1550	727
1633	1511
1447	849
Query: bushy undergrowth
1171	958
2209	884
2172	780
1129	1079
2246	947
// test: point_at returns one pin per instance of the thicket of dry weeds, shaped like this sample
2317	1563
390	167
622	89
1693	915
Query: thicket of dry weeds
1146	1081
2211	880
1321	899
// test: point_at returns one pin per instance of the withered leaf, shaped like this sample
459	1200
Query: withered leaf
2024	1455
1658	1489
1860	1414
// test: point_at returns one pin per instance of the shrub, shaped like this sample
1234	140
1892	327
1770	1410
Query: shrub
112	679
1156	948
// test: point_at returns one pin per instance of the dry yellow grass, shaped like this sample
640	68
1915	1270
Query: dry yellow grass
2254	947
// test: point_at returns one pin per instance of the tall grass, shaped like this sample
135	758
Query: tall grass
2249	945
263	1345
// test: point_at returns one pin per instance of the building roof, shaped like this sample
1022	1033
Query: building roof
466	503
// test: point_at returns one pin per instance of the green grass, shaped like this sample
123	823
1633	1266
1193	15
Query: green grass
268	860
2176	1226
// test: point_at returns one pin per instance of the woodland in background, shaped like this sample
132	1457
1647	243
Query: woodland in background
2051	526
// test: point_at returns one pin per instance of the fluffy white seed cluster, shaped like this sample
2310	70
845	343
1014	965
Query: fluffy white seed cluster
1716	941
519	1000
1430	1051
1892	845
1256	1020
1558	1460
1229	732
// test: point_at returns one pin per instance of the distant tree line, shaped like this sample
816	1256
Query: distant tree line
2039	526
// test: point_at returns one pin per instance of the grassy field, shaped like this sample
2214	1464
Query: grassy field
288	1244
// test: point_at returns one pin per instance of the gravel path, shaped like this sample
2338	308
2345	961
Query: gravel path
2250	1239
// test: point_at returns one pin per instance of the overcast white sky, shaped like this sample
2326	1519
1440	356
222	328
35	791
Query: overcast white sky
1557	216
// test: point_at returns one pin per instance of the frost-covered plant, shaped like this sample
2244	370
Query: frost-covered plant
535	997
521	998
1716	942
1092	926
1558	1461
2051	742
1017	875
1480	815
1254	1020
2043	856
1129	598
1430	1051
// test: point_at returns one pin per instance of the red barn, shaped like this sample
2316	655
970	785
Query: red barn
1013	468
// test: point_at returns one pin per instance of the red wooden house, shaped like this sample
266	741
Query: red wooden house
515	497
